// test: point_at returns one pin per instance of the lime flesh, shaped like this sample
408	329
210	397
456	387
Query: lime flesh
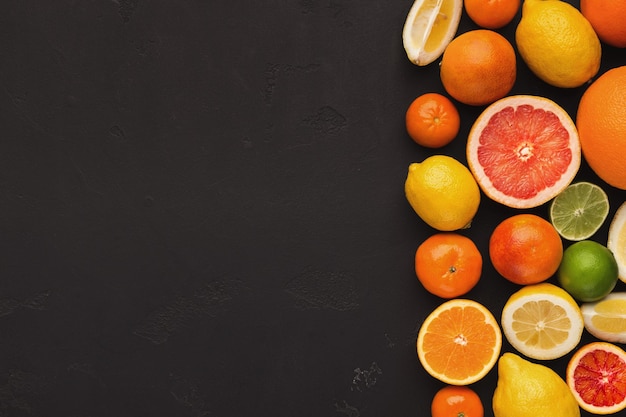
579	211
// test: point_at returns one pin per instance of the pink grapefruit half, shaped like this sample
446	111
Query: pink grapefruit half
523	150
596	375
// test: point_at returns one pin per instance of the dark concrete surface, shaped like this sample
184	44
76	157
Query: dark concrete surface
202	209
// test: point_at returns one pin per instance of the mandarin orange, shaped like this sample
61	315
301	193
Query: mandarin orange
491	14
601	124
432	120
455	401
478	67
525	249
607	19
448	264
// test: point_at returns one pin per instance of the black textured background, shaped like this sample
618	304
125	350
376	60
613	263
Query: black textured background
202	209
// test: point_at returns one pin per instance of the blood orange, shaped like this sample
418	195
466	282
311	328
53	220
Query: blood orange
596	375
523	150
525	249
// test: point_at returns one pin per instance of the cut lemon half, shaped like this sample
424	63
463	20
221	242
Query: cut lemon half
542	321
459	342
429	28
606	319
617	240
579	211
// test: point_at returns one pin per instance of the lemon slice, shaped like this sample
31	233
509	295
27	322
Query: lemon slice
429	28
542	321
606	319
617	239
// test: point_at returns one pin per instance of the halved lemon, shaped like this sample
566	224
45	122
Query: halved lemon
429	28
542	321
606	319
617	240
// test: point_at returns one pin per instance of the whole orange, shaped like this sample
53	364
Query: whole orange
607	19
491	14
525	249
448	264
478	67
456	401
432	120
601	124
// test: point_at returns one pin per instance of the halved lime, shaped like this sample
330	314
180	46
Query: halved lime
579	211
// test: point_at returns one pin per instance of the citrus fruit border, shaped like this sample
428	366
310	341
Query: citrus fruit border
483	224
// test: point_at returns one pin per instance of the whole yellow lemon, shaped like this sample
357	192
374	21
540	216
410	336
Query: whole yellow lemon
443	192
558	43
529	389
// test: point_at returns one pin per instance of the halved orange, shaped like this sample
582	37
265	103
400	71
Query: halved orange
459	342
596	375
523	150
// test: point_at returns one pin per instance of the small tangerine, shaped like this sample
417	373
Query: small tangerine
457	401
432	120
448	264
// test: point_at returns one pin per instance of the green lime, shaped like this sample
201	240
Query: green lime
579	211
588	271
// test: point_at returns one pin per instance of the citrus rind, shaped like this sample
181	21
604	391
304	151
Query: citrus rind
429	27
531	333
617	240
617	358
515	172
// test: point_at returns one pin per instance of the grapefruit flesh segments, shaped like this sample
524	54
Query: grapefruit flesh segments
523	151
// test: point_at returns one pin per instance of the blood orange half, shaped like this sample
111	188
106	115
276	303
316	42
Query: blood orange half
523	150
596	375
